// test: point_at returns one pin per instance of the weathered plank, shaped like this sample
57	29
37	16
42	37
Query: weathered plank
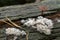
28	10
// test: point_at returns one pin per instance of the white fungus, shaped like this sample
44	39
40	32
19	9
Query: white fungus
33	26
43	29
40	17
23	21
39	20
47	31
48	22
43	25
15	31
30	22
23	33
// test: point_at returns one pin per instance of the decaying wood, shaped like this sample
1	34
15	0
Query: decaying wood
28	10
32	10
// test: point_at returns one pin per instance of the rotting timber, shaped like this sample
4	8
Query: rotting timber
18	12
29	10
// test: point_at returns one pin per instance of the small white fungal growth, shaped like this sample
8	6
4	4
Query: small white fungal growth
40	17
44	25
15	31
33	26
40	20
43	29
23	33
48	22
23	21
47	31
30	22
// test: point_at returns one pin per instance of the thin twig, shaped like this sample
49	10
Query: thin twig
13	23
6	22
27	33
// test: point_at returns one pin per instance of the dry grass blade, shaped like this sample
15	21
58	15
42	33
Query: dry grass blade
27	35
13	23
6	22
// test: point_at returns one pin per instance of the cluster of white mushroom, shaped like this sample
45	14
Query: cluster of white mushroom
15	31
43	25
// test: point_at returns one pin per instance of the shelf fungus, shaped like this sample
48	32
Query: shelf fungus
16	32
43	25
